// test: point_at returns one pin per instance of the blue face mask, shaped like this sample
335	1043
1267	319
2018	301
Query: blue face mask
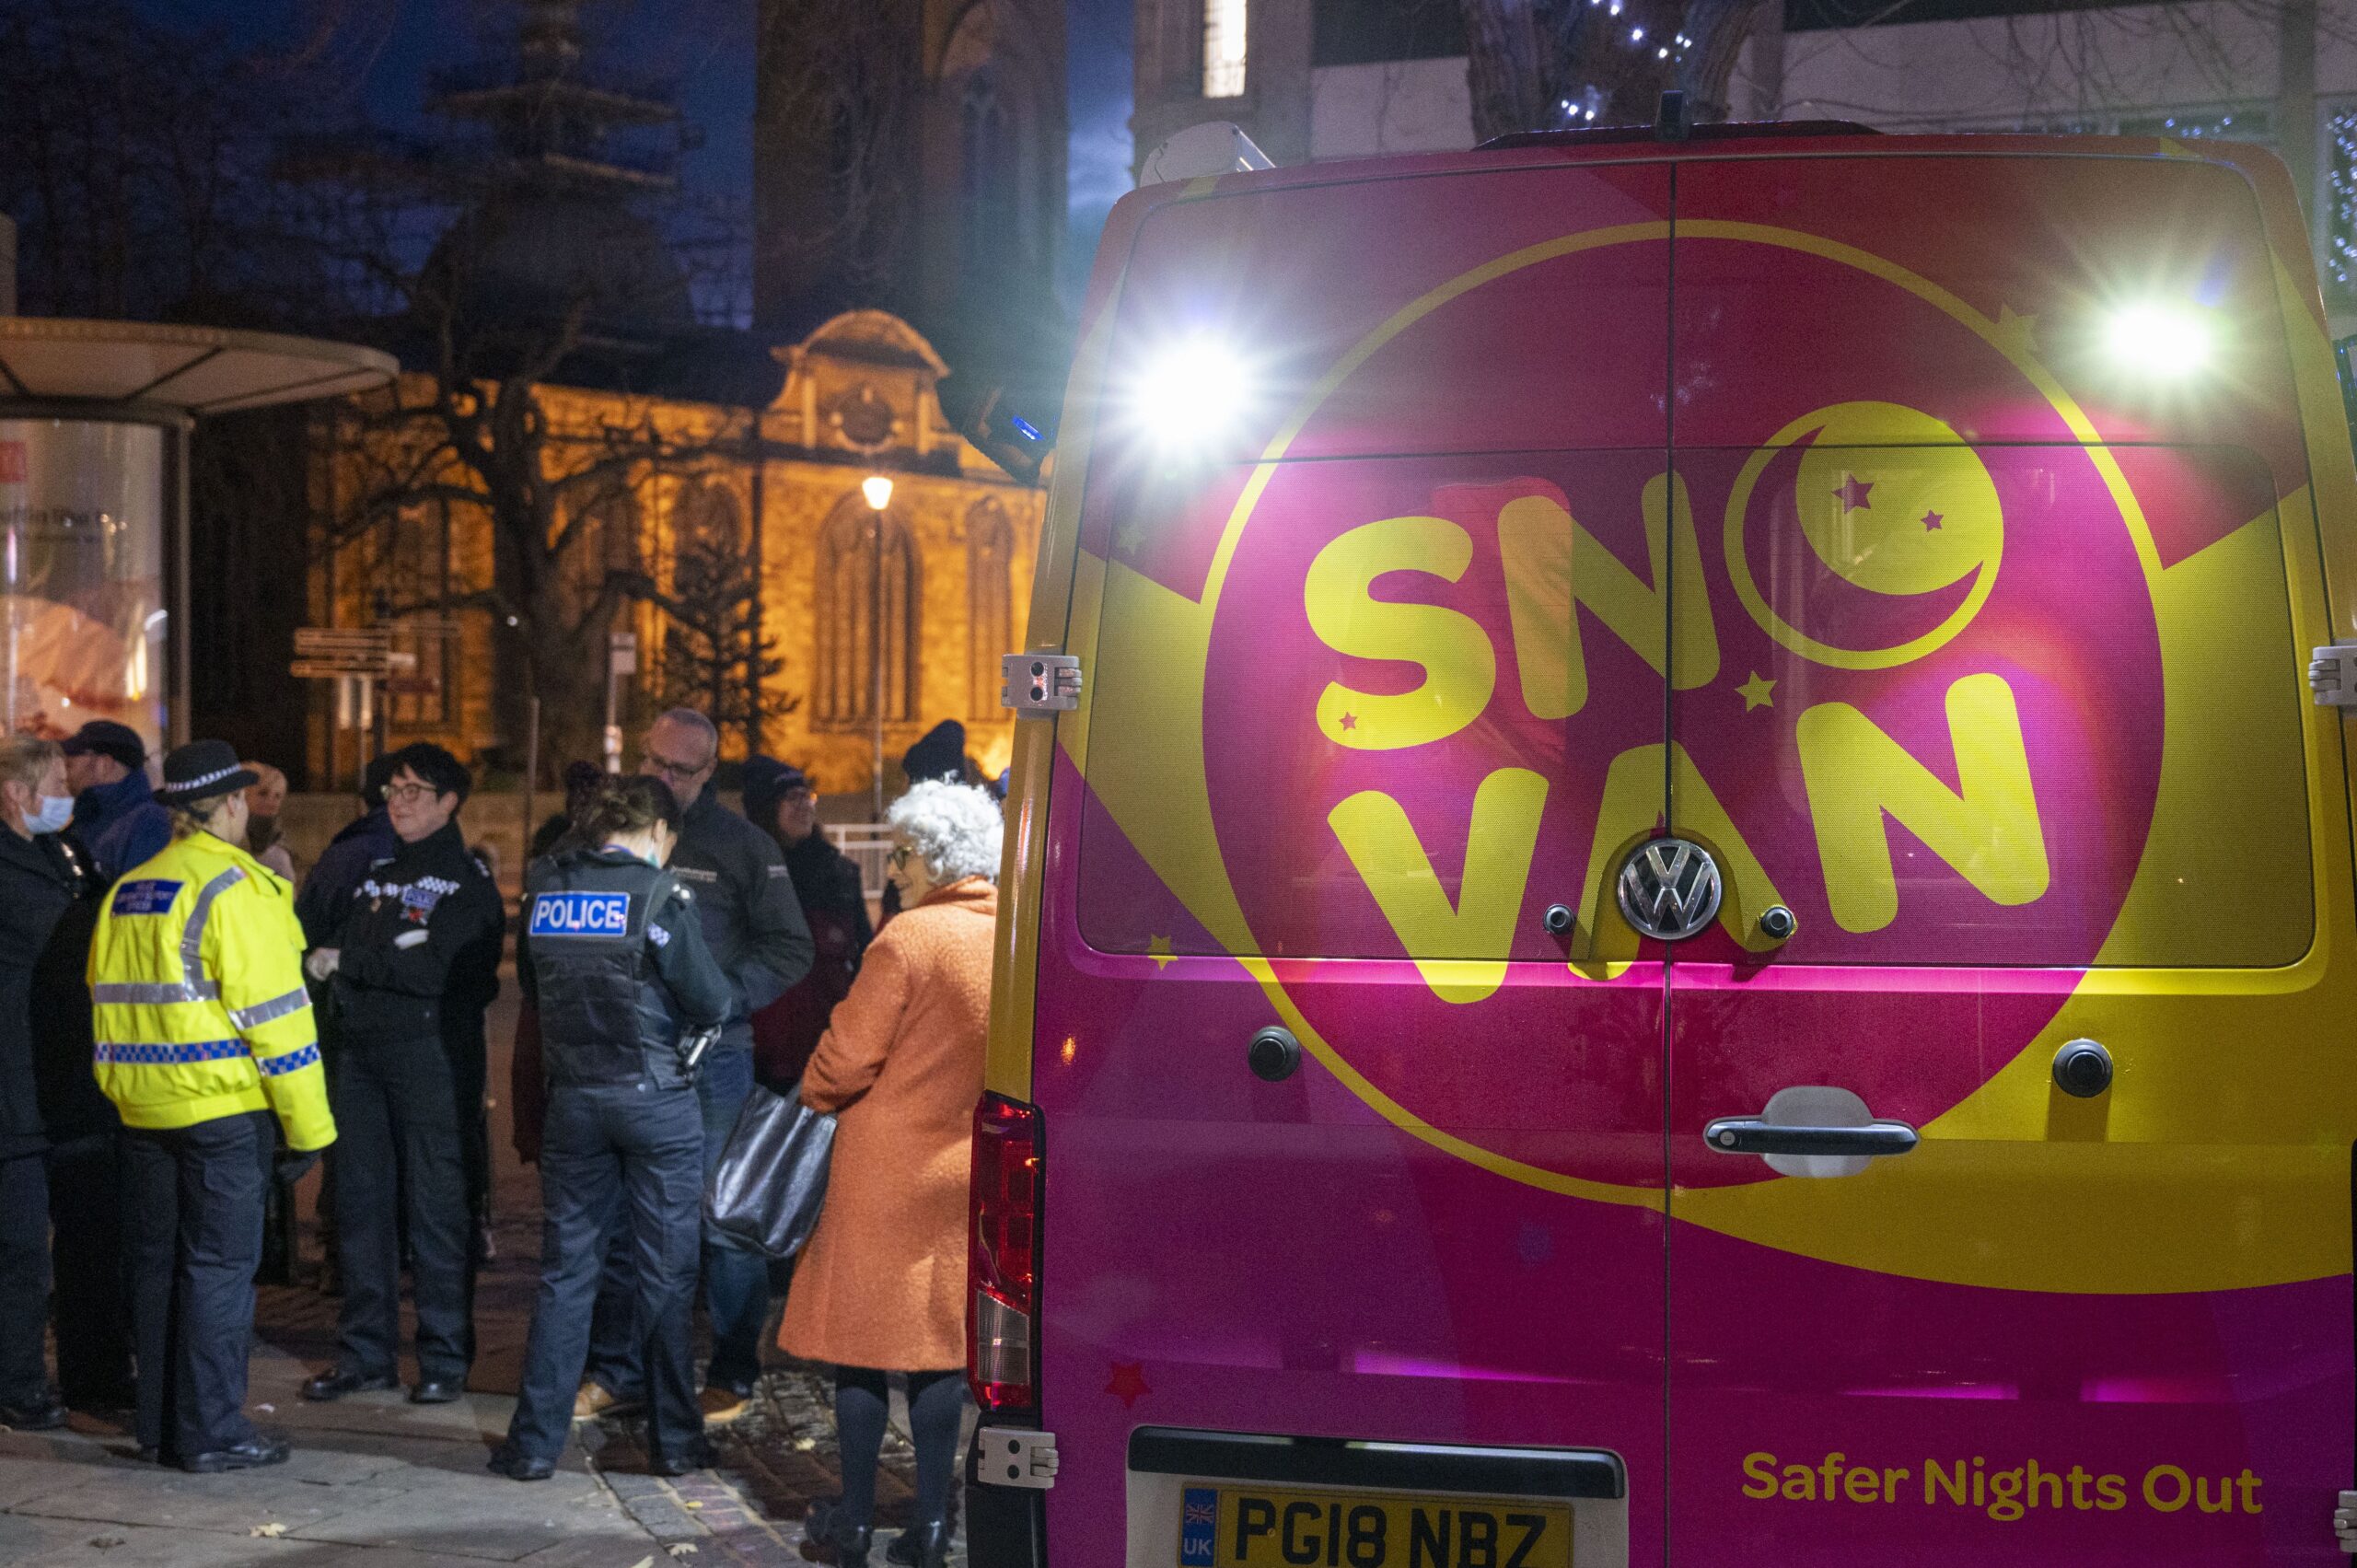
56	810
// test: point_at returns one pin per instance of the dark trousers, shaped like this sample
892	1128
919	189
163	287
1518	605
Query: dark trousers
24	1279
735	1278
192	1211
399	1157
624	1159
470	1071
86	1177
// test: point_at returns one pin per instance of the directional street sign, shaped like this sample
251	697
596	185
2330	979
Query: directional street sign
328	653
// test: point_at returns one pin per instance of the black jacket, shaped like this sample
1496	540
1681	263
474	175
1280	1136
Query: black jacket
326	896
610	952
41	881
422	933
827	878
744	897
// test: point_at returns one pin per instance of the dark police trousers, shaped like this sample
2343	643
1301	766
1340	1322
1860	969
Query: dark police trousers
629	1157
191	1221
85	1250
24	1279
735	1278
399	1155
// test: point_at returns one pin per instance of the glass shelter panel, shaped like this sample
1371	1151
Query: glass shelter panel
82	530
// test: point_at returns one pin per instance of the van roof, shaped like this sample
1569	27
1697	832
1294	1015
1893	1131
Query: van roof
1771	139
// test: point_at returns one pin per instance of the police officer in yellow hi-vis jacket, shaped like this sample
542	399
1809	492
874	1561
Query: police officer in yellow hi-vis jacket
203	1030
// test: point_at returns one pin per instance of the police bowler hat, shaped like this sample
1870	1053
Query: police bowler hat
202	769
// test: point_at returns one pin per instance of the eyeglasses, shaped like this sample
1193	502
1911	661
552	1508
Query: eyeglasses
405	793
655	763
899	856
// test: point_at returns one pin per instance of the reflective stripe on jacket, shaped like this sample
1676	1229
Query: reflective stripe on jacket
196	981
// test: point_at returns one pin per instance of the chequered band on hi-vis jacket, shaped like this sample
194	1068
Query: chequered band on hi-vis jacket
204	1050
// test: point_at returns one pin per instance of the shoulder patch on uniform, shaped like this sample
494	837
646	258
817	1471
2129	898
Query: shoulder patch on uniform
779	870
695	874
147	897
661	937
580	914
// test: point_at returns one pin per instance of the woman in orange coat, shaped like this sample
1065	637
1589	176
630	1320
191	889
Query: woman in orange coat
882	1286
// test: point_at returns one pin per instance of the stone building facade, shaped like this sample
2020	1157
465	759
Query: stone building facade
782	484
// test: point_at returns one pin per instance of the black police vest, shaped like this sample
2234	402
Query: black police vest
606	1016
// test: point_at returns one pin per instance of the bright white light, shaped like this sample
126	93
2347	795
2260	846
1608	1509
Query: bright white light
1192	392
877	489
1636	35
2160	340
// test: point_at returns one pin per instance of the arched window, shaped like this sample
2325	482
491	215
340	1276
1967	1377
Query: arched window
417	565
706	517
604	541
989	199
851	604
989	605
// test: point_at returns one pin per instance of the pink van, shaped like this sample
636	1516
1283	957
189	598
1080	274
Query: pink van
1674	894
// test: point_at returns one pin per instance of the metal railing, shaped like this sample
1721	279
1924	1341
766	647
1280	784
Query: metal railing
869	846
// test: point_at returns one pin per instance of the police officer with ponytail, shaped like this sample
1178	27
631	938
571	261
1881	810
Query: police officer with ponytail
613	957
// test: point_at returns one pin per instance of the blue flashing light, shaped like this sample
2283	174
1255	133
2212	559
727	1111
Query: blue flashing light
1025	428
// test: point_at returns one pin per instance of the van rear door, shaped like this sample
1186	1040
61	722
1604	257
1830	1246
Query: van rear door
1376	561
2012	568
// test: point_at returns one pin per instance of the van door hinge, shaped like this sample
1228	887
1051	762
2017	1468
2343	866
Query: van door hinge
2344	1522
2332	675
1050	683
1015	1455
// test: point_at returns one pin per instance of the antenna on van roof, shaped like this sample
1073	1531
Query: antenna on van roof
1670	122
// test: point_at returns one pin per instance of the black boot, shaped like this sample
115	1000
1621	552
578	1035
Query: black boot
828	1537
921	1546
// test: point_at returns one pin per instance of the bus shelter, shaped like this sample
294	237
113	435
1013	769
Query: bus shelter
95	420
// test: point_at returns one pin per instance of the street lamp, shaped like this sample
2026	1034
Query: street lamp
878	490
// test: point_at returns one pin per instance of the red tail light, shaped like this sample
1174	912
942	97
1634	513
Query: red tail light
1003	1257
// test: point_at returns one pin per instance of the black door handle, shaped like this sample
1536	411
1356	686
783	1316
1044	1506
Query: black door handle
1751	1135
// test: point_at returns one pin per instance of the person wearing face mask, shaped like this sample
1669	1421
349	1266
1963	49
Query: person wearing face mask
613	955
40	877
203	1031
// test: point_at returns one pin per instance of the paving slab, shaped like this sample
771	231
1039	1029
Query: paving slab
581	1552
493	1522
22	1481
139	1545
235	1503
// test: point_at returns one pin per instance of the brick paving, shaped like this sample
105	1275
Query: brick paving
377	1482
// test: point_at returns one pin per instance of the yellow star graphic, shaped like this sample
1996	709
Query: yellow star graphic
1757	692
1158	949
2016	333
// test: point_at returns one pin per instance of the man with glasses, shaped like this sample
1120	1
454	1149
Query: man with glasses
419	937
753	924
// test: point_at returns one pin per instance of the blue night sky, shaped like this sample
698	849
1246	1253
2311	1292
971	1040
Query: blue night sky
386	47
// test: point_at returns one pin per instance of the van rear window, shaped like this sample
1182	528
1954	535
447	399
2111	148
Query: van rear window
1952	705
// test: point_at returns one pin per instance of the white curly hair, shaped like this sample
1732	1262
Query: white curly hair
955	828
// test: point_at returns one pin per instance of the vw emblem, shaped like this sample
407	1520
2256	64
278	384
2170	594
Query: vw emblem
1669	889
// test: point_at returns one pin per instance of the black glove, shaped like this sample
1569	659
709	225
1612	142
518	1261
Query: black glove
292	1165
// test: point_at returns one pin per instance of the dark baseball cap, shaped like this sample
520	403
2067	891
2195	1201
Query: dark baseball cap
105	737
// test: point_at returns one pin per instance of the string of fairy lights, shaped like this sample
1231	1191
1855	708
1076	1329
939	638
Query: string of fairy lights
1582	109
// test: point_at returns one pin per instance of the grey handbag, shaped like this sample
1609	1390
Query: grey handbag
771	1178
